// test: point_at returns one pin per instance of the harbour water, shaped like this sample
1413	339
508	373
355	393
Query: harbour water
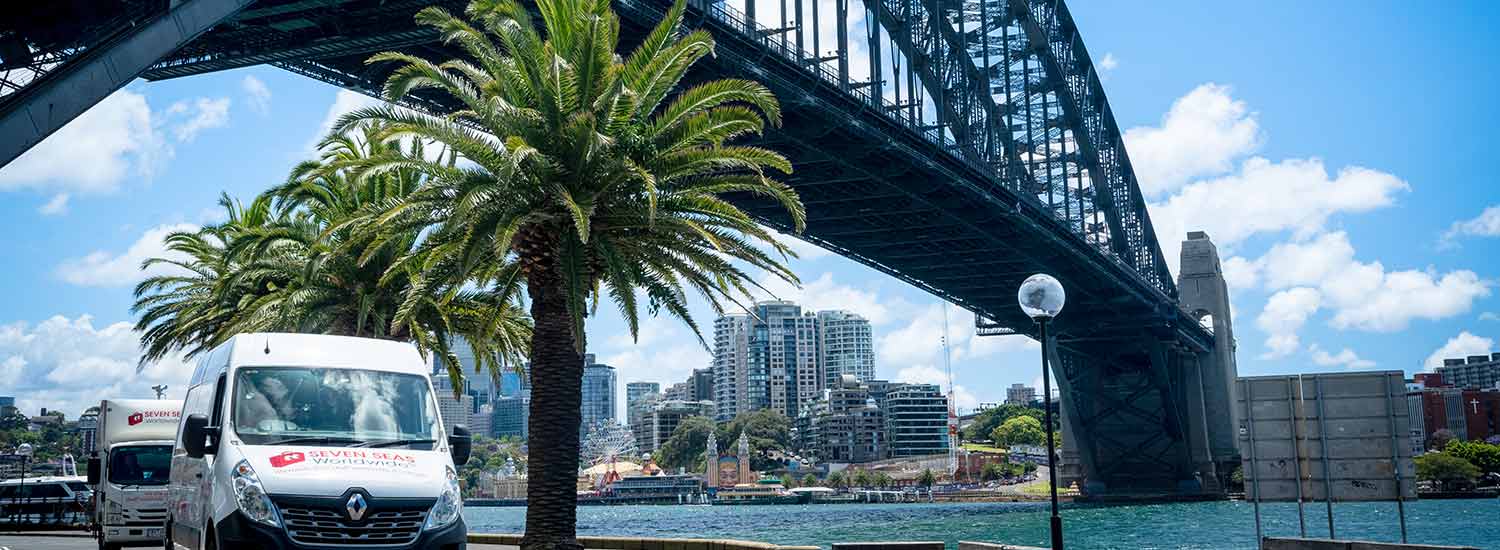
1184	526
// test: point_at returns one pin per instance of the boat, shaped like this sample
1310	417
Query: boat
767	491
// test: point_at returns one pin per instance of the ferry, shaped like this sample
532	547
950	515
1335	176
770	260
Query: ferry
767	491
44	498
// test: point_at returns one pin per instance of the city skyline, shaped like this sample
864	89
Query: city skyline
1382	262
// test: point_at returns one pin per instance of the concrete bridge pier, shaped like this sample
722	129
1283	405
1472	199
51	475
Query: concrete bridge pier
1209	376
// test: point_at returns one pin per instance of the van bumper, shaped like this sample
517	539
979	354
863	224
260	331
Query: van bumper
237	531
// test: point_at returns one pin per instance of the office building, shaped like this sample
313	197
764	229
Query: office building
1474	371
637	395
844	427
701	383
511	416
656	423
845	346
1470	414
7	405
766	360
916	420
599	393
482	421
1020	394
454	409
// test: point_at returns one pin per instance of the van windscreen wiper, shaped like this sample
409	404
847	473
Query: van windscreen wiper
351	442
395	442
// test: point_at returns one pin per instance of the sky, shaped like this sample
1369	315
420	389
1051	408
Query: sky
1333	150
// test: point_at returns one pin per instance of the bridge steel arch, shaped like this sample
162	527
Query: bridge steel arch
1019	168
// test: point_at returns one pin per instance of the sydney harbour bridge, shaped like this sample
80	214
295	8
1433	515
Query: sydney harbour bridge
957	145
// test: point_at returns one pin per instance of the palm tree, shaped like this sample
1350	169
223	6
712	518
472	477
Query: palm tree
306	256
587	169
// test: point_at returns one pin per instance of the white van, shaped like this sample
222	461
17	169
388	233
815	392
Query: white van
311	441
129	471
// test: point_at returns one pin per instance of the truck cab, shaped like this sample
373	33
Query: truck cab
313	441
130	471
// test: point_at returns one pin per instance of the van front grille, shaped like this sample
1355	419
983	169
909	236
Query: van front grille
327	524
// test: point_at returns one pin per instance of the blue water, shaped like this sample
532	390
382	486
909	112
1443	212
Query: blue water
1195	526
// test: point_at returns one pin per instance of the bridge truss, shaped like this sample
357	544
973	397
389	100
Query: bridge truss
958	145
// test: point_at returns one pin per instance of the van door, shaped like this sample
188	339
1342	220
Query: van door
191	479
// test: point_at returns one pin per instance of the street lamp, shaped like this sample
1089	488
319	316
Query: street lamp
1042	298
24	450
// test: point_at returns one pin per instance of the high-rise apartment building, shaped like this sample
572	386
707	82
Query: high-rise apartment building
656	423
1474	371
845	346
1020	394
599	393
733	383
916	420
636	394
845	426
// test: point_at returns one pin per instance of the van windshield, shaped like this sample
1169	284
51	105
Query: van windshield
140	465
320	406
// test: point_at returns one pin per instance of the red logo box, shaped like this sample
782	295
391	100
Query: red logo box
287	459
137	418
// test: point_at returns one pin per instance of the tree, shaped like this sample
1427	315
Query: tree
770	435
862	479
991	472
311	256
927	479
1440	439
687	445
580	168
788	481
1484	456
1450	471
809	480
883	480
1021	430
986	422
836	480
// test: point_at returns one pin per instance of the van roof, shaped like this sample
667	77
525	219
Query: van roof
275	349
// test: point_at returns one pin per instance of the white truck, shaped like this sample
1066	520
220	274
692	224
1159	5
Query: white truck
130	470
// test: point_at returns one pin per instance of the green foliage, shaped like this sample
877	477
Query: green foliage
992	472
927	479
1439	439
770	436
1449	470
836	480
861	478
809	480
883	480
986	422
788	481
314	255
1020	430
1484	456
685	448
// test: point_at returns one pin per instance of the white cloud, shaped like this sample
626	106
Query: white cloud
1108	62
1240	273
1402	296
1489	316
1201	135
1459	346
70	364
257	94
1267	197
1309	262
105	269
196	116
1283	316
57	206
1486	224
921	340
95	152
1346	358
825	293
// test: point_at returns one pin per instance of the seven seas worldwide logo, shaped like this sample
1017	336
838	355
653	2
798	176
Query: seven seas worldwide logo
345	458
153	416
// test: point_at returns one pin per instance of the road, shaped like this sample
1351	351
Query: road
57	542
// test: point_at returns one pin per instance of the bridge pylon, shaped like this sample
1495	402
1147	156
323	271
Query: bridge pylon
1204	294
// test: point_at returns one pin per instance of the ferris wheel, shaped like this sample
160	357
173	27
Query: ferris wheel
606	442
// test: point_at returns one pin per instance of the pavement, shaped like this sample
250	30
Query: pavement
67	540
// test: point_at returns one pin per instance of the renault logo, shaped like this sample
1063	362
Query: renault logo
356	506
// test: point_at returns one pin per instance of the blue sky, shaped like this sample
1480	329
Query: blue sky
1334	150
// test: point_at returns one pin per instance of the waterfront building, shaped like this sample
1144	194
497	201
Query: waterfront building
1020	394
1469	414
1474	371
657	489
916	420
599	393
845	346
511	416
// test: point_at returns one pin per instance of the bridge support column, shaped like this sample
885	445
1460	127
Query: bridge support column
1204	294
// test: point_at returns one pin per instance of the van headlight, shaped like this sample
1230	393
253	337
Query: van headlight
251	496
449	505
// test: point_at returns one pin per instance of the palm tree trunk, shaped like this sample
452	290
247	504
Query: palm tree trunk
556	412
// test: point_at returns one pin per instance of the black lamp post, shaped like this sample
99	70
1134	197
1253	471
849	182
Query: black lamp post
25	451
1042	298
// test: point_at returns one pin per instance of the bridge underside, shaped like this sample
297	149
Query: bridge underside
963	202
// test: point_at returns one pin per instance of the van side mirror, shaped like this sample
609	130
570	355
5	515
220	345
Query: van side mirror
93	470
198	438
460	444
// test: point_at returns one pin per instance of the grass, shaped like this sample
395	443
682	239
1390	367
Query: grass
980	447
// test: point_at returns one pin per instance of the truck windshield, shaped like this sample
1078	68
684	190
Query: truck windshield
140	465
320	406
